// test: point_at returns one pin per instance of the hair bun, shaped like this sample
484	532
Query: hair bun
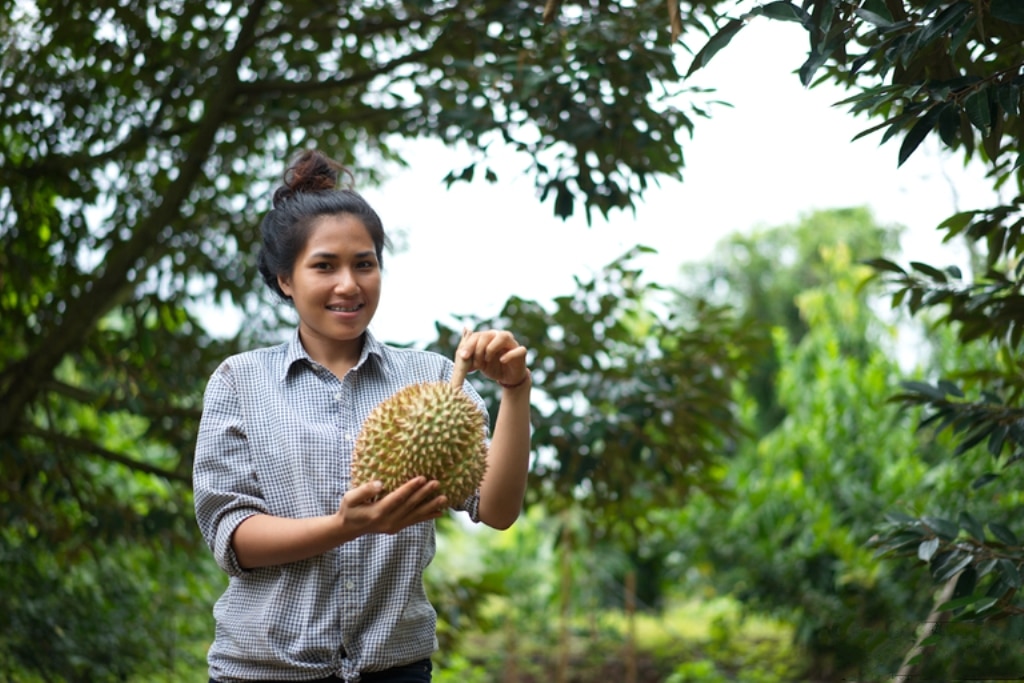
310	171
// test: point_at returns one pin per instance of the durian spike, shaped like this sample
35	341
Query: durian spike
461	364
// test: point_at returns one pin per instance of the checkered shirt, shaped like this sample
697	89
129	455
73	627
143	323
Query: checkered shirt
276	437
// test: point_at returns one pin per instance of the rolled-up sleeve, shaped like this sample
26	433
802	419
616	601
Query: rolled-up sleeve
225	486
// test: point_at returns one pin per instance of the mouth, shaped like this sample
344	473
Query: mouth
345	309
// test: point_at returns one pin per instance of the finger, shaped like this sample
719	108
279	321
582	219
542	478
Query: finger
435	505
513	355
426	493
396	498
467	345
365	493
495	345
410	487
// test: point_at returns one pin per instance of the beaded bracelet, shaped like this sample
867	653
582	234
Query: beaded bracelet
519	383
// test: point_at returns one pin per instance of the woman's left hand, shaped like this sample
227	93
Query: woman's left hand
496	354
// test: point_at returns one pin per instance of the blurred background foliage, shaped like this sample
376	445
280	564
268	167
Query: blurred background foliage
800	462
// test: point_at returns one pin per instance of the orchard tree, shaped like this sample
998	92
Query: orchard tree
761	273
797	539
634	406
951	69
138	145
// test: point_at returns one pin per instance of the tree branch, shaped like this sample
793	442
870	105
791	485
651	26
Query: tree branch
22	382
161	409
291	87
87	446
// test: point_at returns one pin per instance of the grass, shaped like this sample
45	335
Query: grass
691	640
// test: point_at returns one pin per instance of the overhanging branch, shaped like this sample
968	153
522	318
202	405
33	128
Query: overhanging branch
23	381
89	447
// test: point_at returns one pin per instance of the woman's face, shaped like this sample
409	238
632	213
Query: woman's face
335	285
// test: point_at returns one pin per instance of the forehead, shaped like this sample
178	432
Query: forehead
338	234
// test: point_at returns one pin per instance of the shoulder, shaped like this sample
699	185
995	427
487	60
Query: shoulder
268	362
414	365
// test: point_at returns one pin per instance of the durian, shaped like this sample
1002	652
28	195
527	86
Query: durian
430	429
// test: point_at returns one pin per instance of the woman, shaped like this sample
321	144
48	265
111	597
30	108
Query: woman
326	582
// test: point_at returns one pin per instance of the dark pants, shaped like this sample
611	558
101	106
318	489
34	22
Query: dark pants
417	672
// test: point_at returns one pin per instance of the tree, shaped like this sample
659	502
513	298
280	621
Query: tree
138	142
952	69
634	403
762	272
797	540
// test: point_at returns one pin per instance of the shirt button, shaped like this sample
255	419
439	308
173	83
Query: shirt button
350	585
337	397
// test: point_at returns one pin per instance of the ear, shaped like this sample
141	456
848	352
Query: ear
285	284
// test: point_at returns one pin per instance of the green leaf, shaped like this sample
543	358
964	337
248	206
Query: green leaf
874	18
985	567
884	265
1008	96
958	603
958	222
984	479
1008	572
977	436
949	124
998	439
952	565
716	43
927	549
961	34
943	21
1003	533
815	60
899	518
965	583
1011	11
918	133
930	271
564	202
924	388
978	111
969	524
943	527
950	388
984	604
783	11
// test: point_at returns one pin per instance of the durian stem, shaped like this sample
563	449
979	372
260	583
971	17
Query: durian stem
461	365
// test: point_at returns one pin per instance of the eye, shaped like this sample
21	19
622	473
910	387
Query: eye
322	265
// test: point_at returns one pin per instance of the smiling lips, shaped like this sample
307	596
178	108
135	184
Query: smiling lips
345	309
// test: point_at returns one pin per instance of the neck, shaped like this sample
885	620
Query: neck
337	356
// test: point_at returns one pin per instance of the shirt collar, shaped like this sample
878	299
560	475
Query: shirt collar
295	352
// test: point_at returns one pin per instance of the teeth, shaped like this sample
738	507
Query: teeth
343	309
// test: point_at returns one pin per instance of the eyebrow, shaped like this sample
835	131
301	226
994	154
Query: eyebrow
334	257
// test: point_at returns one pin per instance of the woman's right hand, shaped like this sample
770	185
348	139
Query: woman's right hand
263	540
364	511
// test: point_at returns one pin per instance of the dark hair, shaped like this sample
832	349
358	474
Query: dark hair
309	191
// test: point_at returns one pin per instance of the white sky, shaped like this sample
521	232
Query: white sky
779	153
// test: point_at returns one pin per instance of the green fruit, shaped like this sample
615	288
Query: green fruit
430	429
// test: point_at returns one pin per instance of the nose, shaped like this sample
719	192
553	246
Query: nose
345	283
